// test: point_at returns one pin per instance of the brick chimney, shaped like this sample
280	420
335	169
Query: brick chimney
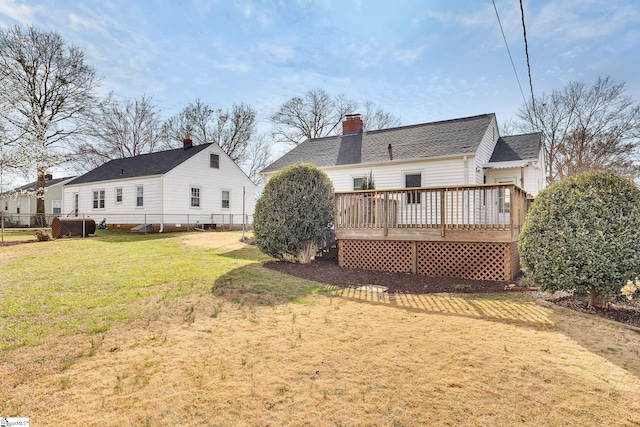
48	177
187	142
353	123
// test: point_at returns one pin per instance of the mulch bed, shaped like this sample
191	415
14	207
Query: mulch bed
620	311
330	273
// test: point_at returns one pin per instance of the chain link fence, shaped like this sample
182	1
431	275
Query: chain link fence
147	222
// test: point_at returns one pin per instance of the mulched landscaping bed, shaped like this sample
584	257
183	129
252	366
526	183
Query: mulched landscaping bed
330	273
622	312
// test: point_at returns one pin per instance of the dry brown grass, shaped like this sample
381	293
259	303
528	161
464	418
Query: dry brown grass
347	358
356	359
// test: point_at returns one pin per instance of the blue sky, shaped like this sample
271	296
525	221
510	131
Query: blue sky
421	60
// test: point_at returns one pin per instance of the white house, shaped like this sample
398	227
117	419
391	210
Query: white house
195	186
458	152
450	196
19	205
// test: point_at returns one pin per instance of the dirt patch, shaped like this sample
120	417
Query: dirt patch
404	283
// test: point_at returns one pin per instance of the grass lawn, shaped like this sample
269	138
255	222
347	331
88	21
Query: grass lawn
189	329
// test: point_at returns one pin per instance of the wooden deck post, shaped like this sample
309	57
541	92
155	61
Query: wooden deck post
414	257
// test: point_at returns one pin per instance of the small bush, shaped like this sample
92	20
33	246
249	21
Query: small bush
583	234
293	213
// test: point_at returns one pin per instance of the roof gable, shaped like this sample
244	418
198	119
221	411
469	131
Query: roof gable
517	147
421	141
157	163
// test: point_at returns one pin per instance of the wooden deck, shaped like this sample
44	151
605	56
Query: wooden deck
466	231
477	213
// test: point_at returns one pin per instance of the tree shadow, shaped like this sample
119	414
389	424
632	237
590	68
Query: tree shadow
255	285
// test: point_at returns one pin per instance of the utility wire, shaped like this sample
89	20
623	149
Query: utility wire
526	50
509	51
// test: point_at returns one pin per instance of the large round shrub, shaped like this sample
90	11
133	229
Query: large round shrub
293	213
583	234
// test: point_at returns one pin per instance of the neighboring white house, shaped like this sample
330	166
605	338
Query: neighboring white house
198	185
454	152
19	205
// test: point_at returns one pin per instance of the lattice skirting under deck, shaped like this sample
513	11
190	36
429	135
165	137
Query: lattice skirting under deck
467	260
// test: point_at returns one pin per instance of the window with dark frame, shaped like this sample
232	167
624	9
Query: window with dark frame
214	161
413	180
195	197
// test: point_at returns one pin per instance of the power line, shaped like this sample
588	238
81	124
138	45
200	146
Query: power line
526	50
509	51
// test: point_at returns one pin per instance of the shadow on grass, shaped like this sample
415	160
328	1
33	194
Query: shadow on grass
255	285
493	307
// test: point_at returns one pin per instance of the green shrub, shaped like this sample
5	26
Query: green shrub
293	213
583	234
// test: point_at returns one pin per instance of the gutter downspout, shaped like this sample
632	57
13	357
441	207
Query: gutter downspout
161	204
466	170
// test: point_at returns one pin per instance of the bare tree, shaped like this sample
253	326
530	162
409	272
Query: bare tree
375	117
231	130
317	114
46	89
313	116
258	157
121	129
586	128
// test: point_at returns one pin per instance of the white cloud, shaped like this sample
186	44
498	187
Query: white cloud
18	11
582	20
278	53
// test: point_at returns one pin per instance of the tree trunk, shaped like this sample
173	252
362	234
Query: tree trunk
40	220
305	254
597	299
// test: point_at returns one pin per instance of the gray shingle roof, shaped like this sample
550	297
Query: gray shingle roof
449	137
517	147
157	163
32	185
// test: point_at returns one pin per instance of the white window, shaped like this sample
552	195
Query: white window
118	195
214	161
357	183
139	196
17	206
226	197
76	203
98	199
195	197
56	207
413	180
6	205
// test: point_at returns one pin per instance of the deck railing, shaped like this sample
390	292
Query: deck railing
473	207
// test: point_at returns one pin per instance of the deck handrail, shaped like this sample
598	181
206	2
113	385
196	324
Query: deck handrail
501	206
